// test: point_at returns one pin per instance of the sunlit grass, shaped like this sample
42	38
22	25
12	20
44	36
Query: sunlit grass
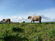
31	31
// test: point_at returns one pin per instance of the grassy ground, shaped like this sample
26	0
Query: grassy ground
27	32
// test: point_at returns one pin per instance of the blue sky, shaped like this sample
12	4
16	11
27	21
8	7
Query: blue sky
24	8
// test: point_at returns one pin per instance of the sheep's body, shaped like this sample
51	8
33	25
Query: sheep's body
35	18
6	20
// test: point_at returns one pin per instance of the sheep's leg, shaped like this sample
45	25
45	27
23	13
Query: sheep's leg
39	21
31	21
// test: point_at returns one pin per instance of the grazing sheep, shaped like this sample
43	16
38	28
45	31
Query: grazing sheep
35	18
6	20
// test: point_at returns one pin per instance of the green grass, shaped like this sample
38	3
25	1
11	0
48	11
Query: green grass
27	32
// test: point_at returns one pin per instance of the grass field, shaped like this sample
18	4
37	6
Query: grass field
27	32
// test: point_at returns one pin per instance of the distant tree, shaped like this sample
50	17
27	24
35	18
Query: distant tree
23	21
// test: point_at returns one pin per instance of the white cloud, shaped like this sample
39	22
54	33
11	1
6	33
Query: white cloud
16	18
45	12
13	18
1	18
47	15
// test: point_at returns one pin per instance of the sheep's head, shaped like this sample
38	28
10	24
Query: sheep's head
29	17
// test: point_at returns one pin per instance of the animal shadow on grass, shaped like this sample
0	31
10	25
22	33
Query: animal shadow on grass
15	29
14	38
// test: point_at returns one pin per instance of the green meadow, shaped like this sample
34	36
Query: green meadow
27	32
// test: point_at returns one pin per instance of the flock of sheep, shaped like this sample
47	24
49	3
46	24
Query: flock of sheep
32	18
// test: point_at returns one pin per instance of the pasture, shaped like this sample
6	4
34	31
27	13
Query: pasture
27	32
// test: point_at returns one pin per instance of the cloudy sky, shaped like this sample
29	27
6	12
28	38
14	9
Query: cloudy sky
19	9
